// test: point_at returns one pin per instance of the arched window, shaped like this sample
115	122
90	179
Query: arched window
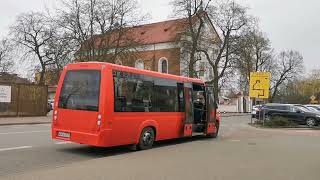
163	65
139	64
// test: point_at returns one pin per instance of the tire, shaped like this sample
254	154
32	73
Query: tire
147	138
311	122
214	135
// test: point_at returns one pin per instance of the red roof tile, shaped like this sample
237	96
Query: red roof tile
153	33
160	32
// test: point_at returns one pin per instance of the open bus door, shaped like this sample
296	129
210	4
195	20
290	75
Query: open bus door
185	100
211	111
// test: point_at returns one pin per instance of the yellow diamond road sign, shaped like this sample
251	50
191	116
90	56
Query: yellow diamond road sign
259	84
313	100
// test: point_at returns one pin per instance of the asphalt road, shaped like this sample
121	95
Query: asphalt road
240	152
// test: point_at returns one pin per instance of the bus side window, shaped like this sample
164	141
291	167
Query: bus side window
181	100
165	93
133	93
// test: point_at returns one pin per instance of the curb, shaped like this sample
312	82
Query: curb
23	123
284	127
231	115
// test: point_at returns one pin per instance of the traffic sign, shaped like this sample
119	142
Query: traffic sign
259	85
313	100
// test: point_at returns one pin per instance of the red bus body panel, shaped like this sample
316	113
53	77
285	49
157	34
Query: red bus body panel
116	128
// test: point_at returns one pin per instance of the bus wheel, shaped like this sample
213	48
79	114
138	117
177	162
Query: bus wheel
147	138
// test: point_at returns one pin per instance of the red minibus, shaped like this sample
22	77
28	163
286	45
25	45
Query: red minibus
103	104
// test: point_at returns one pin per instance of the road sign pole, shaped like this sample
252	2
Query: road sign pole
251	110
263	117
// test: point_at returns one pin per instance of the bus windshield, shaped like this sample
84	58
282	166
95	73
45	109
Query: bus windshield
80	90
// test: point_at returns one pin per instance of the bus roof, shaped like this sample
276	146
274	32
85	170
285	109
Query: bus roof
138	71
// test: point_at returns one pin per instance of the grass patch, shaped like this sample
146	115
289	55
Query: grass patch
276	122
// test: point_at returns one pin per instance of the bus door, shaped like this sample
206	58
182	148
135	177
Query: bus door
186	105
211	112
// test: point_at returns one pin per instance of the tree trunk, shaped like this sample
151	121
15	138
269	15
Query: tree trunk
215	92
191	64
41	81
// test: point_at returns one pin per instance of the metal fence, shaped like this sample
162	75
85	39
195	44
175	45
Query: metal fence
26	100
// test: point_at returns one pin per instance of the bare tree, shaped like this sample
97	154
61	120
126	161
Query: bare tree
254	54
99	27
60	54
194	12
6	61
289	66
230	18
33	32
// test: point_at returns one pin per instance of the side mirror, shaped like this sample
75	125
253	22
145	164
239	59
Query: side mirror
298	111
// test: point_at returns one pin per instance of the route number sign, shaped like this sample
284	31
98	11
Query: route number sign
259	85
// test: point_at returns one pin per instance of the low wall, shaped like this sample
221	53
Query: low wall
228	108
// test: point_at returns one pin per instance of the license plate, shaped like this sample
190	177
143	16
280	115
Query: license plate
64	134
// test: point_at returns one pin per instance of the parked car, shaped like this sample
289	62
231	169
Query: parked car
295	113
303	107
313	107
51	101
255	111
49	107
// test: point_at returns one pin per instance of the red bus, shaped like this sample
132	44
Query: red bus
103	104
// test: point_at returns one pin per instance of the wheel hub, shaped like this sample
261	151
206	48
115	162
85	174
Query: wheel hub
310	122
147	137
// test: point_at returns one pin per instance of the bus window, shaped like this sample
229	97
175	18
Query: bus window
181	99
166	96
140	93
80	90
133	92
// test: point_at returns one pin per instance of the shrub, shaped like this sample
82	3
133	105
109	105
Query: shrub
278	122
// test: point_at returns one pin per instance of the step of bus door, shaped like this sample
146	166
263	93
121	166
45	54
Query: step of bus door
198	128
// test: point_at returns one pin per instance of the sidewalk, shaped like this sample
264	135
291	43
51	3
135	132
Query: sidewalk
25	120
233	114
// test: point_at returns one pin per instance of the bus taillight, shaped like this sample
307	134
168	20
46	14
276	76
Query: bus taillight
99	120
55	116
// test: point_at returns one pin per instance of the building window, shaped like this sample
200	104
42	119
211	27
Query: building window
163	65
139	64
119	62
201	69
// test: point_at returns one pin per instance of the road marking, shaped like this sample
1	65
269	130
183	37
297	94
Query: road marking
235	140
63	142
49	124
15	148
24	132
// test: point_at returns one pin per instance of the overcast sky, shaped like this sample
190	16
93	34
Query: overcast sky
290	24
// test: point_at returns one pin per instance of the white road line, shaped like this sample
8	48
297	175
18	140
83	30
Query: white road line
63	142
15	148
235	140
49	124
24	132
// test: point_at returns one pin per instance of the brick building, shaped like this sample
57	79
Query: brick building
155	47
